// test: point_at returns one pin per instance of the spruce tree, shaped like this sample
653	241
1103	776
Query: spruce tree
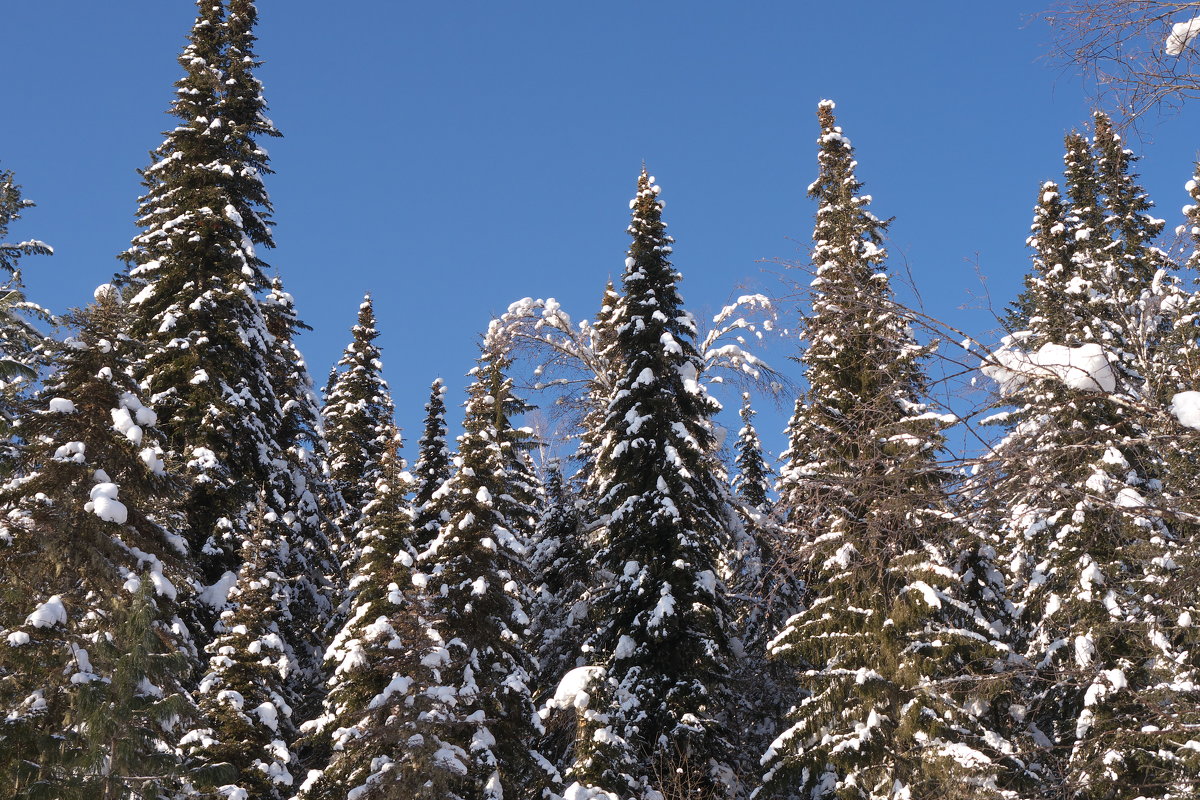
1077	485
558	568
244	693
194	278
307	504
764	594
359	417
432	470
123	716
600	386
885	645
660	644
753	480
372	737
20	341
89	519
477	565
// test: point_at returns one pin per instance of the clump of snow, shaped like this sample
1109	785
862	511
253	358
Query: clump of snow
153	460
1186	408
105	505
1086	368
664	608
106	291
1182	34
268	715
48	614
61	405
572	689
123	423
71	451
577	791
217	595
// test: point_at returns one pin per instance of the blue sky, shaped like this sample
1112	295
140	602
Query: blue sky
451	157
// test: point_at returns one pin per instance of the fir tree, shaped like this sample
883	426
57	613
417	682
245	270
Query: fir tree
244	694
884	643
243	108
600	386
478	563
307	502
193	278
1092	560
88	521
20	341
754	476
432	470
372	736
123	716
358	413
660	640
558	565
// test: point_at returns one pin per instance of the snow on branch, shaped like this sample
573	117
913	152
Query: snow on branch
1087	368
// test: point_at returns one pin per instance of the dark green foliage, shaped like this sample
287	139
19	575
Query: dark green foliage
69	542
193	276
431	471
660	630
359	417
888	651
478	563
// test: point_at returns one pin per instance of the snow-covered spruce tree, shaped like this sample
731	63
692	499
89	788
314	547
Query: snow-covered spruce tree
1177	383
371	741
600	387
659	649
764	595
477	577
193	277
88	519
243	111
558	568
753	480
886	647
1076	486
244	693
432	470
308	504
125	710
359	417
20	341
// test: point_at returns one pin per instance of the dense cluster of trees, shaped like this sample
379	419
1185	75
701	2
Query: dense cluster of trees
215	585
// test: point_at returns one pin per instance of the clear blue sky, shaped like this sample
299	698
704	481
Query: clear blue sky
454	156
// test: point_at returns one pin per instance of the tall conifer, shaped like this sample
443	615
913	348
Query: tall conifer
481	601
369	738
884	641
359	417
432	470
88	520
1091	558
660	644
193	278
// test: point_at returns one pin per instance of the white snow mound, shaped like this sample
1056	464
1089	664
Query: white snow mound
1186	408
1086	368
